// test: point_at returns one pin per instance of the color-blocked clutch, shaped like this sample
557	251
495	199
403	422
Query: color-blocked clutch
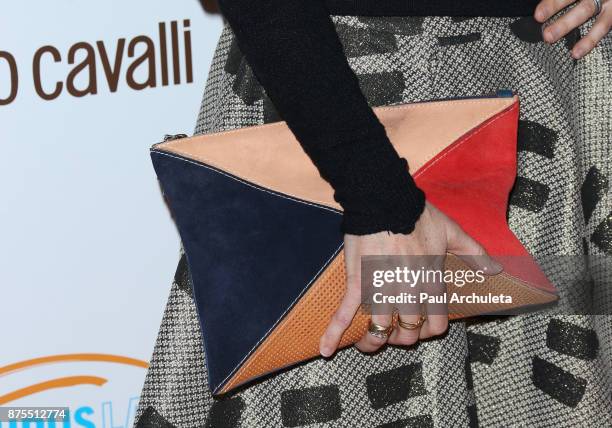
261	230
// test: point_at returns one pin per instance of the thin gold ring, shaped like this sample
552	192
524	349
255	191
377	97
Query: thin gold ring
379	331
412	325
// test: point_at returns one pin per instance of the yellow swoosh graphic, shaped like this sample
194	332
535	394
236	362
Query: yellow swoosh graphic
51	384
109	358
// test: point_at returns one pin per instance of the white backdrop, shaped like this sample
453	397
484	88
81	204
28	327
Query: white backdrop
87	248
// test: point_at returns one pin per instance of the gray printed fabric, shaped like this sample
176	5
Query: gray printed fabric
530	370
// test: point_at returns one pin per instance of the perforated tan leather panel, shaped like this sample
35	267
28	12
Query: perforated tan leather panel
297	336
522	293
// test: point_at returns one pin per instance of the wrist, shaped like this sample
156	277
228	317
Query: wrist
390	202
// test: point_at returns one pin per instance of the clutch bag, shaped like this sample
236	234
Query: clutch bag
261	230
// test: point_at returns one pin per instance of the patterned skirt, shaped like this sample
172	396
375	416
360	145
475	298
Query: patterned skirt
526	370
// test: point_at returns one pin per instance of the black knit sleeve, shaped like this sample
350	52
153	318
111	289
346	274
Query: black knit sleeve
295	53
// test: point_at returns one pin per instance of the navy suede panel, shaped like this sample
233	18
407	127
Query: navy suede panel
250	252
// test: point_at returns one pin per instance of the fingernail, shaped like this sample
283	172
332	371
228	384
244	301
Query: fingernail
546	36
494	267
326	352
541	14
549	35
577	53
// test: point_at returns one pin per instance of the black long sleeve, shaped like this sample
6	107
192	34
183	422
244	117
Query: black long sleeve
296	55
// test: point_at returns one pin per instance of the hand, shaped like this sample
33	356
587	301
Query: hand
584	11
434	234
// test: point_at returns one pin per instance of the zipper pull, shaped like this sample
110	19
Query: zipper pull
171	137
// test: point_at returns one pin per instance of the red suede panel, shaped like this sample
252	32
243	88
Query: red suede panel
470	181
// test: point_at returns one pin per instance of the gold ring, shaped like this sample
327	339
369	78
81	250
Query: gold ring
379	331
412	325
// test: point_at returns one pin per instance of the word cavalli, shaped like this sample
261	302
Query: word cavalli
86	65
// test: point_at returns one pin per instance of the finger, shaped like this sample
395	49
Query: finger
340	321
410	312
572	19
436	322
345	313
404	336
435	307
470	251
547	8
371	343
434	325
598	31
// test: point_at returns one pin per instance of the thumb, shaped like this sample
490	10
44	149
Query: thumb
469	250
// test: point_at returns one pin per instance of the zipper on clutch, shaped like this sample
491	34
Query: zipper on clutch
172	137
